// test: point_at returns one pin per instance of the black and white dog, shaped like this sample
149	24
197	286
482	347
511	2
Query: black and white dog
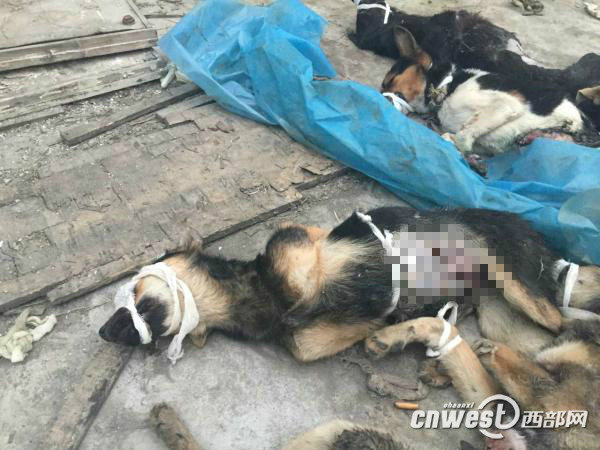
475	107
471	42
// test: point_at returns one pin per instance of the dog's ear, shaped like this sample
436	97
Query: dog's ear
405	43
591	93
409	48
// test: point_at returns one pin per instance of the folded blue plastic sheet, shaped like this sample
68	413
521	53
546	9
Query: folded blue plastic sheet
260	62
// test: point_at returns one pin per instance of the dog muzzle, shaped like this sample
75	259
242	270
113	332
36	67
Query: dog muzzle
186	322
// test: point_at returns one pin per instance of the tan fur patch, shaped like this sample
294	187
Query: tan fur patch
575	353
326	339
308	266
516	374
587	288
410	83
538	309
468	376
211	300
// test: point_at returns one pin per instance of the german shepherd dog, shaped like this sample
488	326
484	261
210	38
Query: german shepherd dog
320	292
469	41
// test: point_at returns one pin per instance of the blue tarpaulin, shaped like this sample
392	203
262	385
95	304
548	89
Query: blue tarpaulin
260	62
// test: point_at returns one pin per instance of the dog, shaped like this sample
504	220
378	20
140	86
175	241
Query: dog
469	41
320	292
561	376
489	110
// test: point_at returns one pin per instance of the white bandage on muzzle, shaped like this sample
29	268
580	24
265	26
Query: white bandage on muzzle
125	298
399	103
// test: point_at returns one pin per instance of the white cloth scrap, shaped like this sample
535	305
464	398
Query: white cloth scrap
125	297
27	329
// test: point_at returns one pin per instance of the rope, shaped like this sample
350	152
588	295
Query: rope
388	245
570	279
386	8
443	345
27	329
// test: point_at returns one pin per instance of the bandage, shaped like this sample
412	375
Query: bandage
125	297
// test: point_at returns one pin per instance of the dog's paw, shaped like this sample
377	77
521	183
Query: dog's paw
484	347
432	374
464	142
477	164
376	346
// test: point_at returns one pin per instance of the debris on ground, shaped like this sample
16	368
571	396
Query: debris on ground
171	429
20	338
386	384
529	7
592	9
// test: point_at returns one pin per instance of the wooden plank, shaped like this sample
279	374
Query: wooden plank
75	89
22	120
80	133
198	100
92	217
76	48
27	22
139	13
83	401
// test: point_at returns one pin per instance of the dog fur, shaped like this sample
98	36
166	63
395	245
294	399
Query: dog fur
562	375
476	107
471	42
320	292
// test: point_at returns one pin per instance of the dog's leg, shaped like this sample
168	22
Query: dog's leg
326	339
466	372
521	378
500	322
484	122
537	308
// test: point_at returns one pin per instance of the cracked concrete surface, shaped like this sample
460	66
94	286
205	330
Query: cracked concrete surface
232	395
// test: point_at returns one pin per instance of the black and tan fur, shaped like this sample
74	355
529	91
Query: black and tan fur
319	292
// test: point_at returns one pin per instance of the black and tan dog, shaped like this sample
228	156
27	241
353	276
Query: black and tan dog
320	292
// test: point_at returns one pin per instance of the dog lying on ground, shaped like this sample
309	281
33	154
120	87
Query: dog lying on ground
562	376
476	107
471	42
320	292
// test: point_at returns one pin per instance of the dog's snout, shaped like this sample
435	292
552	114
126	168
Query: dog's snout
102	332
